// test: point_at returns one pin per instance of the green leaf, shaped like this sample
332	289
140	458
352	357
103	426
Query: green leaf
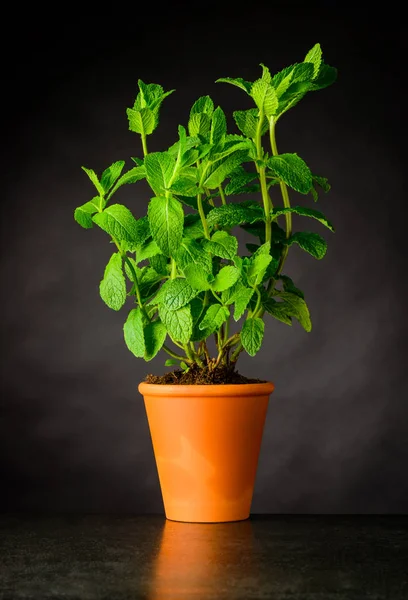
133	332
238	82
224	168
118	221
166	218
226	278
305	212
252	335
231	215
113	285
94	178
204	104
311	242
289	286
147	251
238	181
141	121
128	270
257	268
214	317
154	335
192	253
302	74
282	80
327	75
280	310
111	174
197	277
314	56
241	302
247	122
170	362
179	323
298	308
133	175
322	182
222	244
83	214
193	228
160	264
265	97
178	293
159	170
218	126
199	124
293	171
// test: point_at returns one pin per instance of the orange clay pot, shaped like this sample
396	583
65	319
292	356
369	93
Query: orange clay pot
206	441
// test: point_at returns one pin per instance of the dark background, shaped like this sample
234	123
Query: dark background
74	434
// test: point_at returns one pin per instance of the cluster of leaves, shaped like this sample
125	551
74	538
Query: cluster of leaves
180	263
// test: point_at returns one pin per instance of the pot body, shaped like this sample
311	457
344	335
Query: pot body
206	442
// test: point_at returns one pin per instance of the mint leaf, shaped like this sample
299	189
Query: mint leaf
322	182
154	334
159	170
191	253
179	323
314	56
166	220
222	170
231	215
178	293
83	214
218	126
113	285
147	251
252	335
247	122
133	332
241	302
289	286
298	308
222	244
204	104
170	362
199	124
193	228
238	180
160	264
305	212
257	269
327	75
197	277
111	174
94	178
282	80
293	171
226	278
118	221
280	310
265	97
131	176
141	121
214	318
238	82
311	242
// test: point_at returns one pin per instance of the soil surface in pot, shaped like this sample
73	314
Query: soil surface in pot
196	376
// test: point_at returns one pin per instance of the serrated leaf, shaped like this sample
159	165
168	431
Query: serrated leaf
289	286
224	168
222	244
247	122
166	218
147	251
298	308
179	323
241	302
133	333
282	80
293	171
314	56
178	293
322	182
118	221
302	73
141	121
218	126
113	285
111	174
225	278
257	268
252	335
280	310
131	176
197	277
265	97
311	242
192	253
159	170
204	104
154	334
149	282
185	185
94	178
214	317
170	362
199	124
305	212
231	215
160	264
327	75
83	214
238	82
238	181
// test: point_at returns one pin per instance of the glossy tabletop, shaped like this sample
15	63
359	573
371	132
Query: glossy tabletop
146	557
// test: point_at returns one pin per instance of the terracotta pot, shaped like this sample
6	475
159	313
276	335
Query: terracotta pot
206	441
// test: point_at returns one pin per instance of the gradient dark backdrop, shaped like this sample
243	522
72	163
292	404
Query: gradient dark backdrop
74	435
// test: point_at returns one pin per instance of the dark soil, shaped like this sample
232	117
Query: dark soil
195	376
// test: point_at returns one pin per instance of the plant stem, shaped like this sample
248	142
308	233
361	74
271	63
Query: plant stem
222	194
173	354
144	144
135	282
267	204
173	274
202	216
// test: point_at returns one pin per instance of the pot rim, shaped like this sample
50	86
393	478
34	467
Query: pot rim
227	389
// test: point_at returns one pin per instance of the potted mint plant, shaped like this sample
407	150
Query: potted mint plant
189	292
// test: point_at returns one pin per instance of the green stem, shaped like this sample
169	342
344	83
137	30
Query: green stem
202	216
173	354
136	283
267	204
144	144
222	194
237	352
173	274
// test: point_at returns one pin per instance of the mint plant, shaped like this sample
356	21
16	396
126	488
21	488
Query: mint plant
179	266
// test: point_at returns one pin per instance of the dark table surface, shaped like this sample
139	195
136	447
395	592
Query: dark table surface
146	557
